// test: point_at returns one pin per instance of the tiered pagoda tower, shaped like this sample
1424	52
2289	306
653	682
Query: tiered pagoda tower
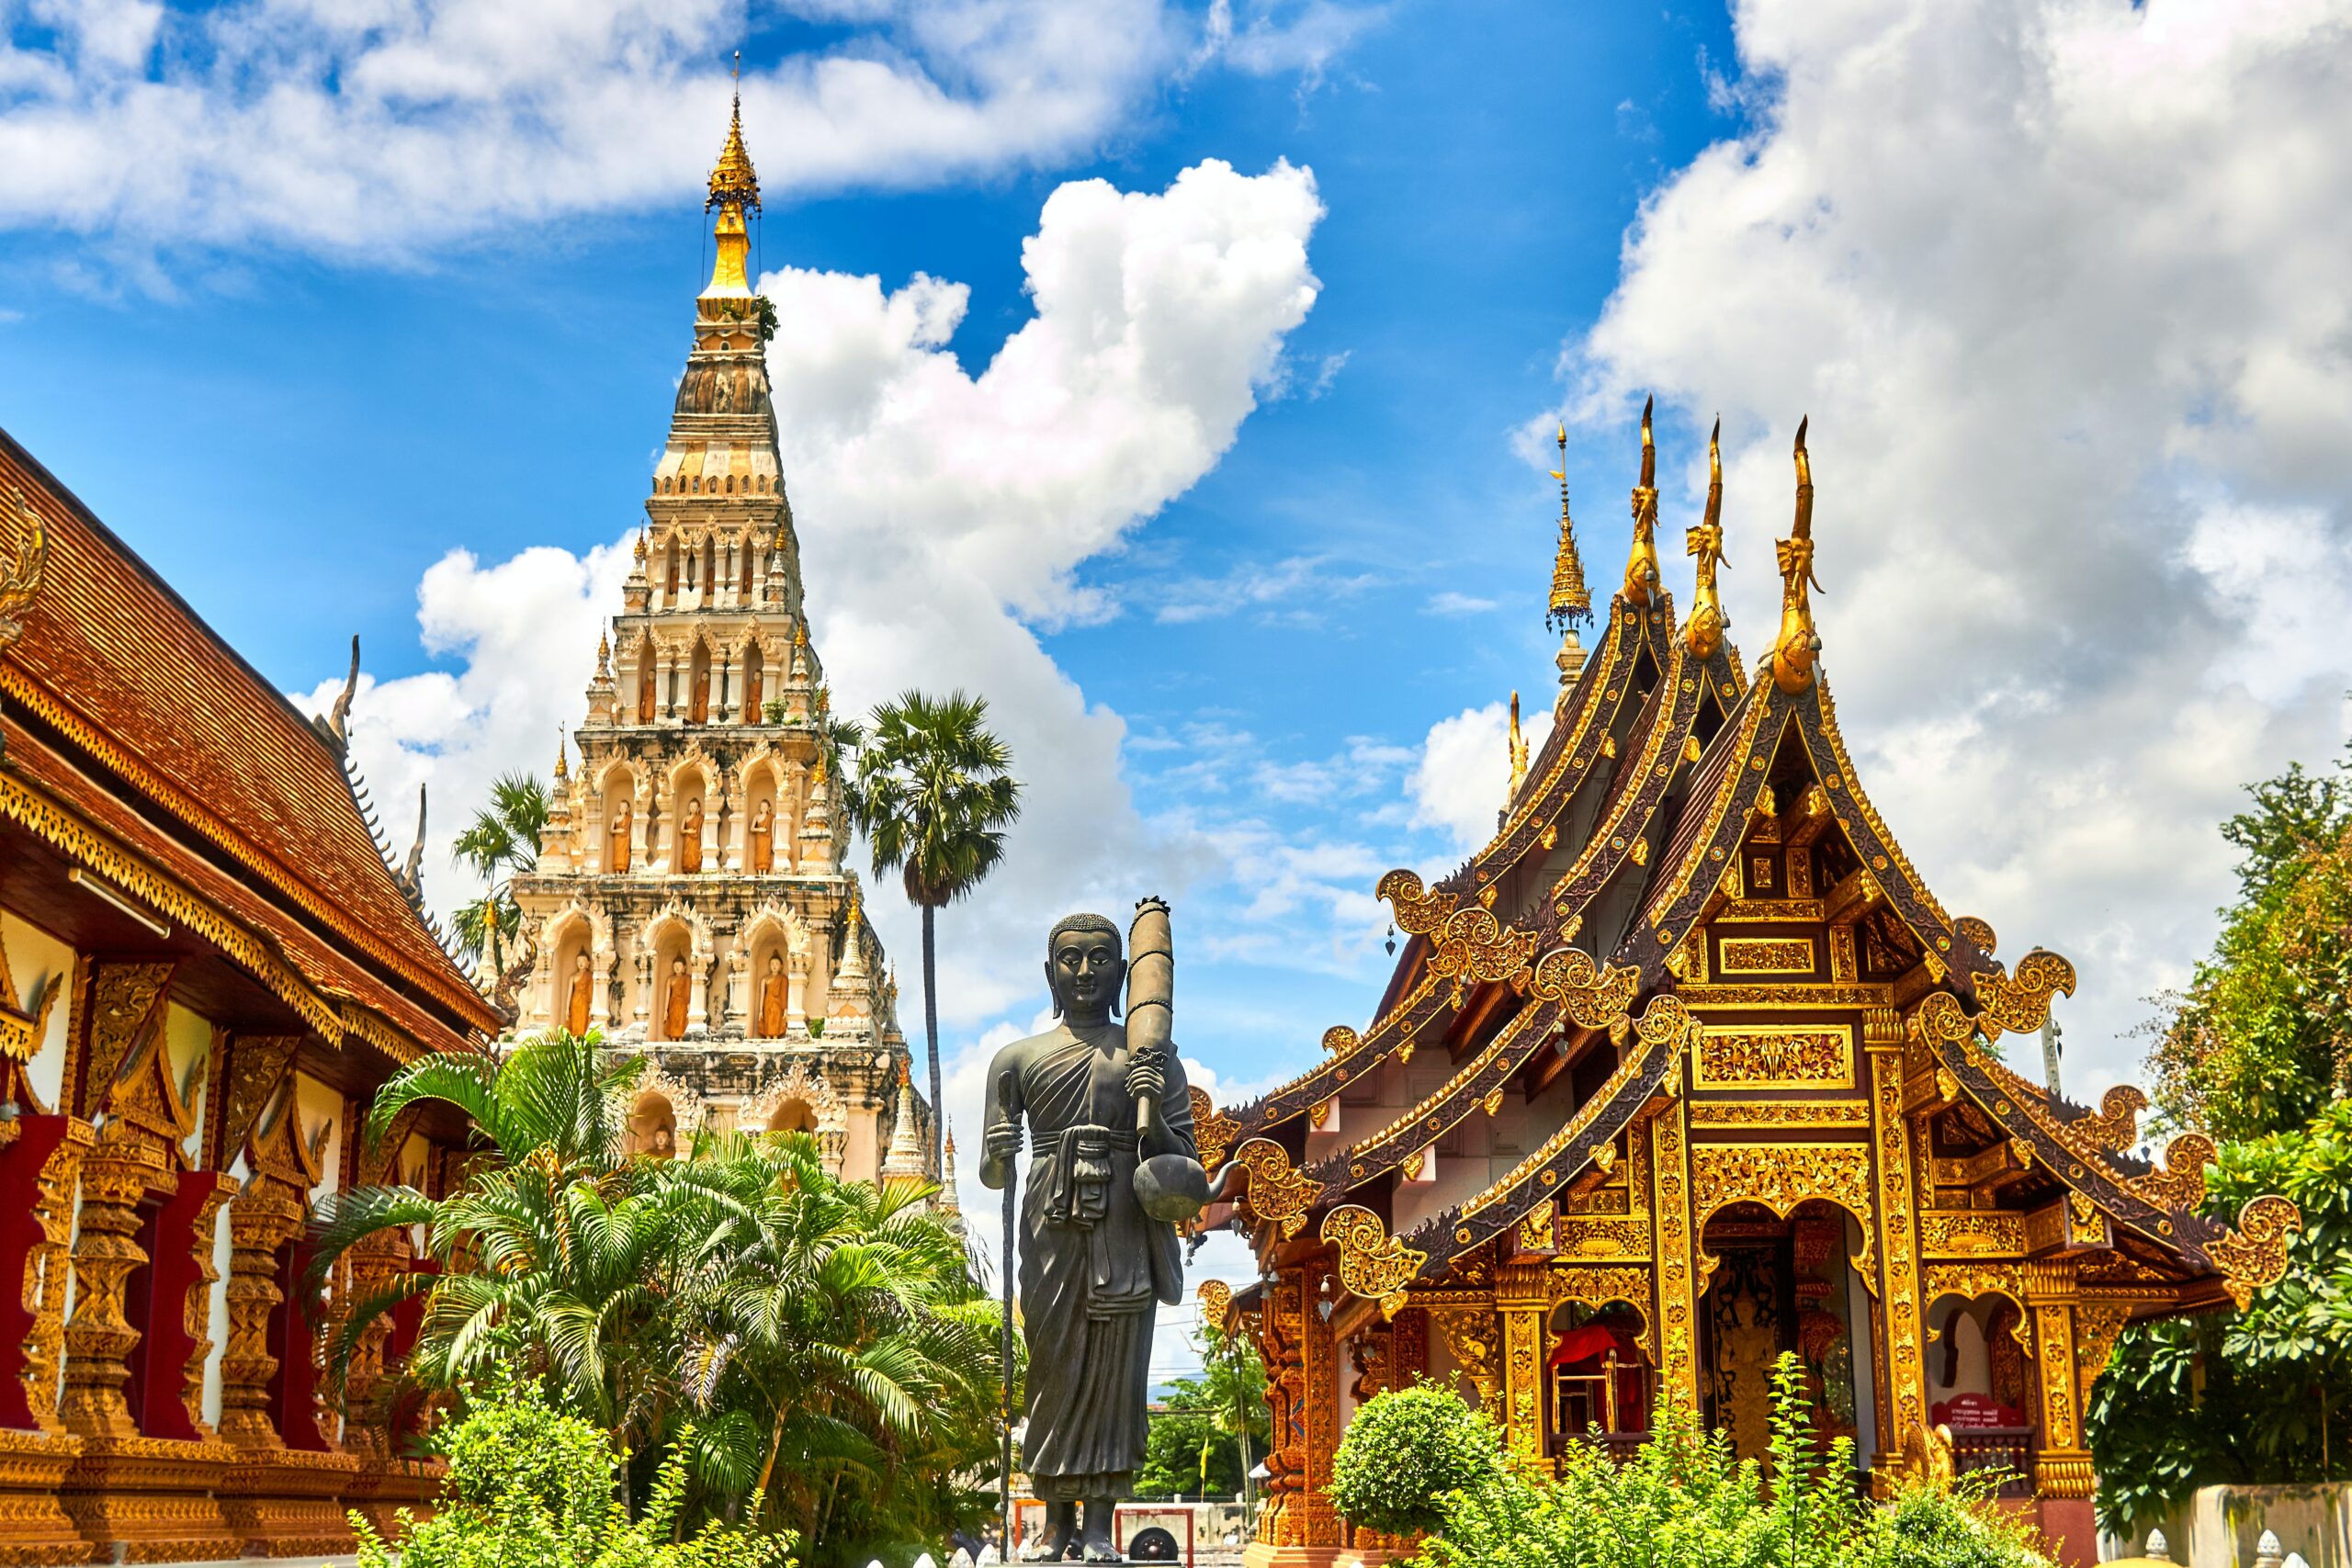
691	901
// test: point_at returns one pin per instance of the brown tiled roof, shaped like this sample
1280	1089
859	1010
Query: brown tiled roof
118	665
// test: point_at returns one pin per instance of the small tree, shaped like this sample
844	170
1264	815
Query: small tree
502	840
1404	1453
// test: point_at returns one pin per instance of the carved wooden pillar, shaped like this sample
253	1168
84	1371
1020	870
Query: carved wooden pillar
263	1220
377	1264
1678	1313
118	1173
46	1271
1901	1365
2062	1465
1522	1298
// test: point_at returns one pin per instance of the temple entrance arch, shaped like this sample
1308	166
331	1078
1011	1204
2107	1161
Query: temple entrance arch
1776	1282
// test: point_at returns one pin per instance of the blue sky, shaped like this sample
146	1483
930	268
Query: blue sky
304	299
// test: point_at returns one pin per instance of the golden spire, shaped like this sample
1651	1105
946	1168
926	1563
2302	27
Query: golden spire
1705	632
604	655
1518	752
734	189
1571	600
640	547
1798	644
1641	563
562	755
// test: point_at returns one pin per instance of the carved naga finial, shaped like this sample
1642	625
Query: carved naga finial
1517	754
334	728
412	869
1708	622
21	582
1641	564
1795	651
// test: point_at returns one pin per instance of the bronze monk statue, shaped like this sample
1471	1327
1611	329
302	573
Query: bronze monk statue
1099	1248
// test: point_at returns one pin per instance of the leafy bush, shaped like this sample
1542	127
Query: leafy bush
1686	1502
2243	1398
530	1488
1405	1452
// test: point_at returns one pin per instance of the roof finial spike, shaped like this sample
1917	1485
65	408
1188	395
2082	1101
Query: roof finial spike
1571	603
1705	632
734	190
1798	644
1517	754
562	753
1641	563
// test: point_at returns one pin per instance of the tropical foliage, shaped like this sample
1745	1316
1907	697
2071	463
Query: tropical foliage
502	840
1684	1502
933	793
1407	1453
812	1354
527	1485
2258	1049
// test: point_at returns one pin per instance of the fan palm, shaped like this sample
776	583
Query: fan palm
502	840
933	793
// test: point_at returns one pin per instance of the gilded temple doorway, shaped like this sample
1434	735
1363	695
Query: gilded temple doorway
1597	1380
1783	1285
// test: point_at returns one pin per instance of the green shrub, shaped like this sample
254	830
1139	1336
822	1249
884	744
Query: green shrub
1404	1452
530	1488
1685	1501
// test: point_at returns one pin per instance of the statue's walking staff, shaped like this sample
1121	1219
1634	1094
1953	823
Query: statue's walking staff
1170	1187
1004	1086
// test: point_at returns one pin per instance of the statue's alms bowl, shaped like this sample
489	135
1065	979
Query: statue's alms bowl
1172	1186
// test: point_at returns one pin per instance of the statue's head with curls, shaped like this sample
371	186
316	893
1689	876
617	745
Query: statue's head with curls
1084	965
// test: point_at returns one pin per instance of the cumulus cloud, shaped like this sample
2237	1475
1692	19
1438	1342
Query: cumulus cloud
388	127
2060	285
1463	773
941	514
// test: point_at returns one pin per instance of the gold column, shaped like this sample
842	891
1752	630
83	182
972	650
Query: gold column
261	1221
1522	1297
46	1271
119	1170
1675	1248
1319	1356
2062	1466
1901	1372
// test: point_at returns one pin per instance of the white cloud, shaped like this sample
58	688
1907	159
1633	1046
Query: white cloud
1269	591
2060	285
382	127
1451	602
937	509
1464	772
1275	38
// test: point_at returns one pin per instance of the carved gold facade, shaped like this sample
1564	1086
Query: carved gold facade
1718	1092
207	965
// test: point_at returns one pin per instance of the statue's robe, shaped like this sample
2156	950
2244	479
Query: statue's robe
774	992
752	682
575	1016
701	714
763	845
1092	1263
618	861
690	841
645	693
673	1017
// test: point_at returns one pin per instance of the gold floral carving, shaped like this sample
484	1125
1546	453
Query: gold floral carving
1678	1318
2253	1254
1600	1286
1216	1302
1970	1232
1897	1245
1584	1236
2097	1325
1592	995
23	1023
1781	1114
2062	1467
1417	911
1523	1380
1780	1177
1776	1056
124	1163
2180	1182
2020	1001
1471	1338
125	1011
1277	1194
1765	955
20	584
1971	1281
257	1065
1372	1263
1211	1130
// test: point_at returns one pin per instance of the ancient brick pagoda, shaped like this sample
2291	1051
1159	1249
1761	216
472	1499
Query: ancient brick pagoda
1687	1067
207	967
691	901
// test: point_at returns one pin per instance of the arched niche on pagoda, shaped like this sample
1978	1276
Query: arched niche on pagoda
657	1116
760	785
571	934
802	1101
775	935
678	941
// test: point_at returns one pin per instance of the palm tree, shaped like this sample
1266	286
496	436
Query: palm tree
933	793
502	841
841	1320
551	1248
